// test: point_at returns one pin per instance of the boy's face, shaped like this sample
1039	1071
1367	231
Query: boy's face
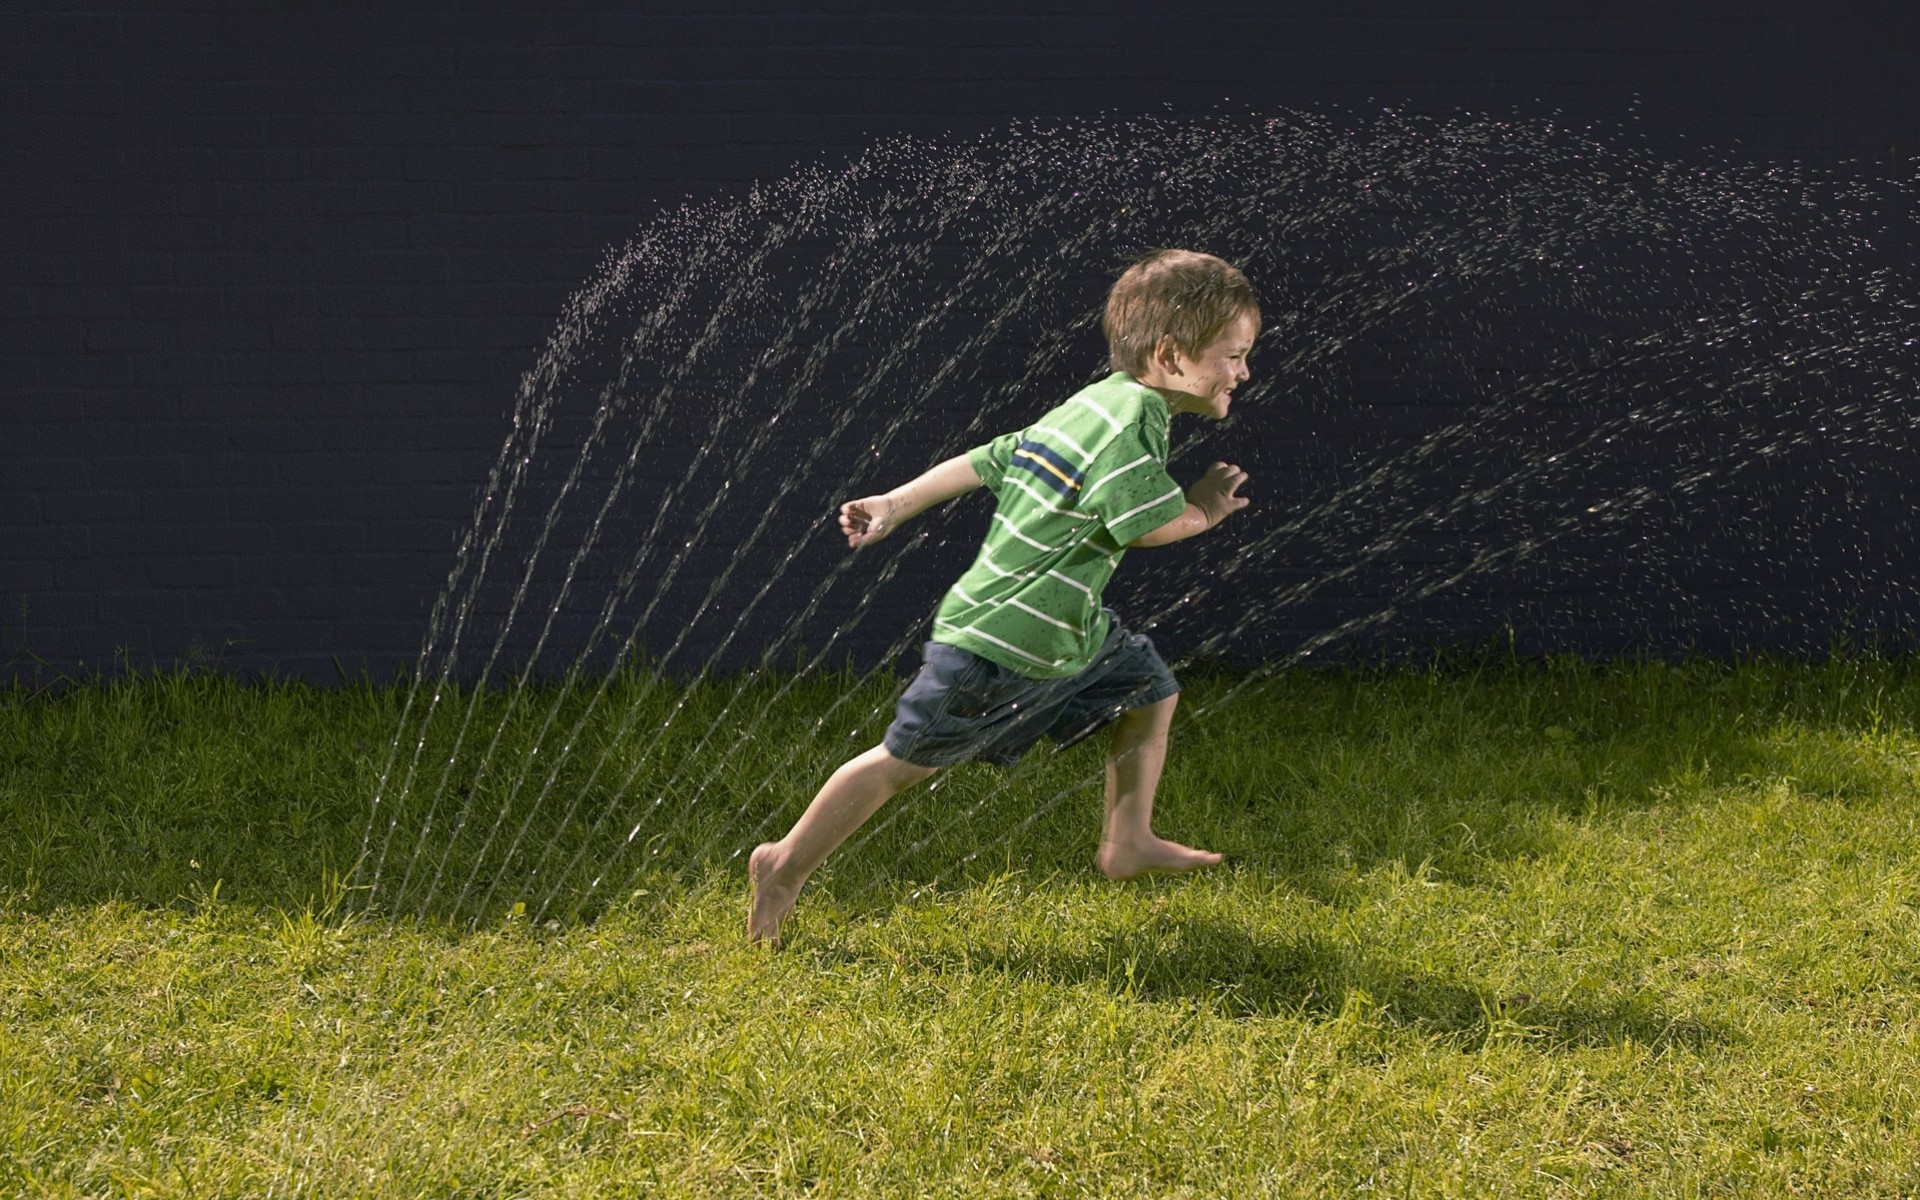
1205	382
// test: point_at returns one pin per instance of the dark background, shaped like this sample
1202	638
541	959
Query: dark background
268	281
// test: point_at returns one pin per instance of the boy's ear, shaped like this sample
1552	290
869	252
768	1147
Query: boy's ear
1166	354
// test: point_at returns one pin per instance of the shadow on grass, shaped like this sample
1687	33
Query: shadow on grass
1221	967
1322	776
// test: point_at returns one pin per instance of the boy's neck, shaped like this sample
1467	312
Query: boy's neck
1177	400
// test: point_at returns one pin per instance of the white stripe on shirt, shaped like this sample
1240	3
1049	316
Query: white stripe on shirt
1144	507
1001	571
1042	501
1015	531
1106	416
1092	488
1048	429
1068	579
1034	612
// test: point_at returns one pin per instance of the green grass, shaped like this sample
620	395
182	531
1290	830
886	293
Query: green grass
1487	929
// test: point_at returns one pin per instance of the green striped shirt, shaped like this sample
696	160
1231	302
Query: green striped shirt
1070	491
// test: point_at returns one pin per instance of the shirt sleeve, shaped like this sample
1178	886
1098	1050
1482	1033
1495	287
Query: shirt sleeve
990	461
1129	489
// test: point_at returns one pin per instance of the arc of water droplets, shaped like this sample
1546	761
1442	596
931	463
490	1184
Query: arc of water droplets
696	534
645	542
531	403
532	413
477	866
666	789
500	640
1032	287
1038	280
808	373
535	412
713	328
1545	219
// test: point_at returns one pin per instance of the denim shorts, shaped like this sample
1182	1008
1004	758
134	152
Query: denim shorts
961	706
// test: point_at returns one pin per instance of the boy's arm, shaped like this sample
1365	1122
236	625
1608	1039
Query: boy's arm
1209	501
868	520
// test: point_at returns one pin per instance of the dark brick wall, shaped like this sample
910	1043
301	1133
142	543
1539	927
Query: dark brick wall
268	281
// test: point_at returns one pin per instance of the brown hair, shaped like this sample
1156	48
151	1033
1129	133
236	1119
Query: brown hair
1182	294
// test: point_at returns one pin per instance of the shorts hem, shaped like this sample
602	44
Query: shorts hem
915	759
1154	696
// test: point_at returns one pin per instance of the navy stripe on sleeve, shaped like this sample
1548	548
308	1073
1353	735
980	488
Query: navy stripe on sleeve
1050	468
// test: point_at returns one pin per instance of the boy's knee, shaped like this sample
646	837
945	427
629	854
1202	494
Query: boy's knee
1149	722
912	775
1159	712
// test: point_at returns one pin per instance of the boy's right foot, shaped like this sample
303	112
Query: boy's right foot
1129	860
770	902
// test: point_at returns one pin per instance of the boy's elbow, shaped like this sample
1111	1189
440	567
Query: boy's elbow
1172	531
1184	526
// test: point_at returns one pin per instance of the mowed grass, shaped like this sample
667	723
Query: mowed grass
1486	929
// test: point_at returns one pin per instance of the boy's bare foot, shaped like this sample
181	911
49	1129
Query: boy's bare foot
770	902
1128	860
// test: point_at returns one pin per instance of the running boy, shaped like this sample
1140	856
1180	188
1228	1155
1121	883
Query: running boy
1021	645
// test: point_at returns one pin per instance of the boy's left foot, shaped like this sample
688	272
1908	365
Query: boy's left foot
770	903
1129	860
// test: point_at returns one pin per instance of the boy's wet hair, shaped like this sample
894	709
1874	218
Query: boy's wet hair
1182	294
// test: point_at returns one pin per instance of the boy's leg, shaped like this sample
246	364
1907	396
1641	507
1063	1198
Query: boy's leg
856	791
1128	846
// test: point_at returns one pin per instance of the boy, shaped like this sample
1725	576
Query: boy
1021	645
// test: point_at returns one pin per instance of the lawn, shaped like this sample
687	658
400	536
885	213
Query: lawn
1486	928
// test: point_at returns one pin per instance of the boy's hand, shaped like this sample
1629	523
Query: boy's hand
1211	500
867	521
1214	493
